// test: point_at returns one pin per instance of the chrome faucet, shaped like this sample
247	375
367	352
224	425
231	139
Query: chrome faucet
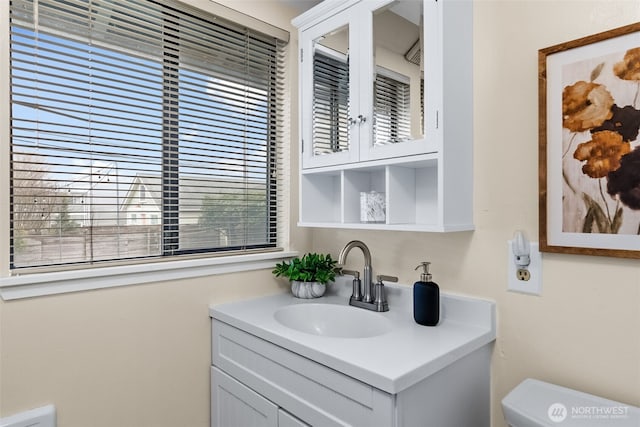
370	298
366	273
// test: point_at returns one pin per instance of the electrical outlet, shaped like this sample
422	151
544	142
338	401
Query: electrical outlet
525	280
523	274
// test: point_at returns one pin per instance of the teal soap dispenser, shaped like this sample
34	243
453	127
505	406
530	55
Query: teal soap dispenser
426	298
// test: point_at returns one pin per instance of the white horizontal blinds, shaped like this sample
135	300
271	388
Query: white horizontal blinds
392	113
126	125
86	119
227	119
330	103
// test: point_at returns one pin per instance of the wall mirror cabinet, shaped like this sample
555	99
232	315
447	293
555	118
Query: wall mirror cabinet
378	81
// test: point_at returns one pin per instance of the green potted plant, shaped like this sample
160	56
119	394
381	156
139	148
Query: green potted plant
309	275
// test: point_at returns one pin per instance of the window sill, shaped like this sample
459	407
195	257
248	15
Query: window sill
40	284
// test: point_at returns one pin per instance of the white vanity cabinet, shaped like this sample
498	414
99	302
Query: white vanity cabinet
386	106
257	383
266	374
273	378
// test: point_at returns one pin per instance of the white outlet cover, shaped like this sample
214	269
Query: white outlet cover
532	286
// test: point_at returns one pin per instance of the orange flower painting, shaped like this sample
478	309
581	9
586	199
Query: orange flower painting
629	67
585	105
602	154
601	148
589	144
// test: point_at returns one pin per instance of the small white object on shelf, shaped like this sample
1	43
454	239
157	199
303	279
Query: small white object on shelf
372	207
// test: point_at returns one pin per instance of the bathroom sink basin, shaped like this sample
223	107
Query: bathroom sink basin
331	320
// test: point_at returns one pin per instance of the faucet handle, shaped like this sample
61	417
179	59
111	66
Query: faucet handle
380	299
355	274
356	292
382	277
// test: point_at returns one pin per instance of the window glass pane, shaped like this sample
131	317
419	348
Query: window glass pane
152	132
222	202
85	122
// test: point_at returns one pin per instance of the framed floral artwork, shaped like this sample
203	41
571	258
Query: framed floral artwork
589	148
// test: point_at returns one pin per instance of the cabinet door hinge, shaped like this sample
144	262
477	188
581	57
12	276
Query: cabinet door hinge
301	55
437	119
302	147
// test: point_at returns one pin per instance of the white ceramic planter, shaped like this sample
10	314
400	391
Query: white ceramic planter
307	289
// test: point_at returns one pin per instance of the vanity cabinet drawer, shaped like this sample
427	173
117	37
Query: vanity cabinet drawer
314	393
237	405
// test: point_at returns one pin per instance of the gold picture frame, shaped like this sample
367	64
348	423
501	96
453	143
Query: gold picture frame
589	147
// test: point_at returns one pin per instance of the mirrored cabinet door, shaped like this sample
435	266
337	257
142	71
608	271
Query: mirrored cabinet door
328	97
397	91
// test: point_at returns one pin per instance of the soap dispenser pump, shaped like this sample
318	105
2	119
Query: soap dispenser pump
426	298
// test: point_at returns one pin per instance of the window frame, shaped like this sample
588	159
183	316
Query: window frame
60	282
15	284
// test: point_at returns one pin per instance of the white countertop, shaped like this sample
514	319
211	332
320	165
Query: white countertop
391	362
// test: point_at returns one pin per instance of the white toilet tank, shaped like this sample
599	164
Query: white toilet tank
535	403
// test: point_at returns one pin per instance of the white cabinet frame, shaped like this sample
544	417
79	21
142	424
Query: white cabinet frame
428	182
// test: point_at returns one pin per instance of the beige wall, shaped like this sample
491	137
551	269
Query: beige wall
139	355
135	356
